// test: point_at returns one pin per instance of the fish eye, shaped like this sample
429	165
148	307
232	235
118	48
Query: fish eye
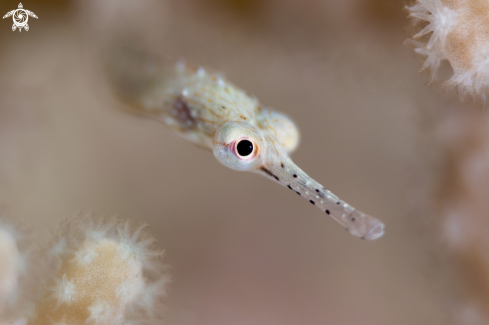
238	146
244	148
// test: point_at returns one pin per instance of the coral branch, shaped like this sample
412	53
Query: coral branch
459	33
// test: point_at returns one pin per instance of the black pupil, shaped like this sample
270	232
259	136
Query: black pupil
245	148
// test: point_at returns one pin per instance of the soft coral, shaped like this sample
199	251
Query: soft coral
459	33
101	275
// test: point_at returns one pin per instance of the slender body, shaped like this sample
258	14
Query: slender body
212	113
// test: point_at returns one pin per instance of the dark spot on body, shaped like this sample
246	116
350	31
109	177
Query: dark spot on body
223	107
244	118
269	173
353	219
295	175
312	202
338	202
327	211
289	187
317	190
182	114
282	164
298	193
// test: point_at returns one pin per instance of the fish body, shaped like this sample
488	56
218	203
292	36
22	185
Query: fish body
212	113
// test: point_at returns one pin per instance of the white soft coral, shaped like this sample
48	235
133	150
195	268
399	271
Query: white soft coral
9	266
104	272
16	281
458	31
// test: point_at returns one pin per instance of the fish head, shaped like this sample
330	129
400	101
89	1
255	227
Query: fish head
245	146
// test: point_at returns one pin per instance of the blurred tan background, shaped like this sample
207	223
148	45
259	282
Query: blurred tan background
243	250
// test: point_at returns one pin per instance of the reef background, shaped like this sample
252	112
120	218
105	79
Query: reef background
244	250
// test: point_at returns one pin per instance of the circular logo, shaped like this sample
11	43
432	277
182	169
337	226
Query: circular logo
20	17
